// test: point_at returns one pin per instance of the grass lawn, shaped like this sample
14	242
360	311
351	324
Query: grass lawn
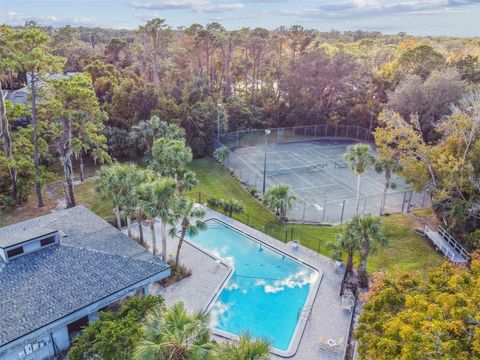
85	194
405	251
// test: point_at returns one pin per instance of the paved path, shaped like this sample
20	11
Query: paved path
208	273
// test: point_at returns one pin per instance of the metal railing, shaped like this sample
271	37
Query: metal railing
437	237
453	243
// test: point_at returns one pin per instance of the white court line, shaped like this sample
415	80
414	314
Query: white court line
295	174
346	186
331	158
248	165
366	177
312	185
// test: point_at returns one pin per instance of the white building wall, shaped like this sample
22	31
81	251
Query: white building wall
41	348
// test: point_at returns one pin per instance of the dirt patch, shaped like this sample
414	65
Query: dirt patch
28	210
177	274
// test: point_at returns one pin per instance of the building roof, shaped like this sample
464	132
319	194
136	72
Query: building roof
94	260
19	96
19	233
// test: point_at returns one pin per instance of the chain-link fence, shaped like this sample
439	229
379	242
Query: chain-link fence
310	160
255	137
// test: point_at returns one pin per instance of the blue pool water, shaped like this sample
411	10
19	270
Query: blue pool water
267	291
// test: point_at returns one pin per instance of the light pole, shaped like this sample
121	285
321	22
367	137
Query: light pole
371	119
267	132
218	124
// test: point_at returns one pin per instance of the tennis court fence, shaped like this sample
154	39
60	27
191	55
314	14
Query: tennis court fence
254	137
321	211
338	211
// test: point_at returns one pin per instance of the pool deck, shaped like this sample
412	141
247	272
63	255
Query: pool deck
326	319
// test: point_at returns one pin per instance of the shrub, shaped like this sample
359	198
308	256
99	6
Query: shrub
214	203
177	273
116	334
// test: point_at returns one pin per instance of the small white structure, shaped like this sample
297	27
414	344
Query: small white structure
447	245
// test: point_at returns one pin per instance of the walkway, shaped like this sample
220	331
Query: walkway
208	273
449	247
327	319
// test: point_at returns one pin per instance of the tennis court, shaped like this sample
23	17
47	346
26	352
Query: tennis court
324	186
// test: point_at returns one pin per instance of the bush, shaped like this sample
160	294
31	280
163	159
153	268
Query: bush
6	202
116	334
474	240
214	203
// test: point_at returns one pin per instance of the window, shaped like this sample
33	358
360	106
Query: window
47	241
15	252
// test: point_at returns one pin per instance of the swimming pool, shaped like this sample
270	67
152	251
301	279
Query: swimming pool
266	294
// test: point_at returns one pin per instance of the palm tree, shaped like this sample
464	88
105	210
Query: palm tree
190	221
245	348
346	241
173	334
358	157
278	199
133	205
187	181
170	157
148	209
159	199
221	154
388	166
114	183
232	206
368	232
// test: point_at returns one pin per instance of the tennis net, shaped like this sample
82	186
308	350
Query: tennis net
298	169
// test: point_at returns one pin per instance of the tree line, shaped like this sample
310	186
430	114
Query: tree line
201	77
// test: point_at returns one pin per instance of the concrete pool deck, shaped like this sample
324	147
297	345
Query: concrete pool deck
325	320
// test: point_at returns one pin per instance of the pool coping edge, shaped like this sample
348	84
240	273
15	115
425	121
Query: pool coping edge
310	301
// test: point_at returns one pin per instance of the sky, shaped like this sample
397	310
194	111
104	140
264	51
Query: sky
427	17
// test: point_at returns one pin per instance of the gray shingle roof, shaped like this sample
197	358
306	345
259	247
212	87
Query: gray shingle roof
93	261
16	233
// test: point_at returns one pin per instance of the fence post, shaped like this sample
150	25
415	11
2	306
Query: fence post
364	205
358	132
324	209
303	216
336	128
410	201
382	204
403	202
343	208
423	199
315	132
286	235
291	234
